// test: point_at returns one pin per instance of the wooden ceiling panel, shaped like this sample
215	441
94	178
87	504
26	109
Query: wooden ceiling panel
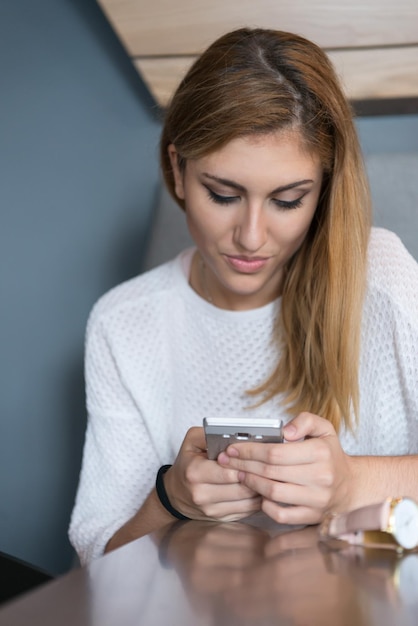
373	43
179	27
365	74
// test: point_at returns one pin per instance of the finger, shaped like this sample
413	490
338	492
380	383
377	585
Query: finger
297	453
307	425
313	450
233	511
319	476
205	494
287	493
204	471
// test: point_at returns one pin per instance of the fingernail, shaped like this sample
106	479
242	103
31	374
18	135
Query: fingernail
232	451
290	429
223	458
241	476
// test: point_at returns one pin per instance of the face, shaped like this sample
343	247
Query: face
248	206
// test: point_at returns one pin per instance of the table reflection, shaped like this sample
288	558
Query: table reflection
239	574
242	573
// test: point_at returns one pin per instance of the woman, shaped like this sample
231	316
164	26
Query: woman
288	306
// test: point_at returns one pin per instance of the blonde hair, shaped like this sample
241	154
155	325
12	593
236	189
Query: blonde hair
256	81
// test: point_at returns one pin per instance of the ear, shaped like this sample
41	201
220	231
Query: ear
177	173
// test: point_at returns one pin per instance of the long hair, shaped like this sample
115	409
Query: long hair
258	81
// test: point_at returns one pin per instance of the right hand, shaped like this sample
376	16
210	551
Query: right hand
201	489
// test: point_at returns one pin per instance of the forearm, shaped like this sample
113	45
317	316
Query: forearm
150	517
376	477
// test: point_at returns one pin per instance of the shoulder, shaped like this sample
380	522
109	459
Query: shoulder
389	260
146	292
386	245
392	271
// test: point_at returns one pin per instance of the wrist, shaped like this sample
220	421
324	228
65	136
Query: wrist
350	496
358	494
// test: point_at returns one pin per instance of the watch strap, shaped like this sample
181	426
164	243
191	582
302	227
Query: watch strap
370	517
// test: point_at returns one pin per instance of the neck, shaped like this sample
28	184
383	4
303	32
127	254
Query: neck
198	278
204	281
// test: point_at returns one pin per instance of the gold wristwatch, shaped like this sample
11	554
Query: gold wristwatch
389	524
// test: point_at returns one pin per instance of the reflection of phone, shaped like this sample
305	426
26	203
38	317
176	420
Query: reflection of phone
220	432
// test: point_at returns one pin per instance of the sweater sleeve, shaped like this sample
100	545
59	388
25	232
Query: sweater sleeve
117	451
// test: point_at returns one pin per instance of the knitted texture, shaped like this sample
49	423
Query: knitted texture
159	358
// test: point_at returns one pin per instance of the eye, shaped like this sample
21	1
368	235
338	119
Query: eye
288	204
218	199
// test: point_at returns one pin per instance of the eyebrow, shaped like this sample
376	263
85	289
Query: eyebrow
238	187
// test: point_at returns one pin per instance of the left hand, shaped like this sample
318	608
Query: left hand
313	475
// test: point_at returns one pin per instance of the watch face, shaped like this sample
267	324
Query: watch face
405	523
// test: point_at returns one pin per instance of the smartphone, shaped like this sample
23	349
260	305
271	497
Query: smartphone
221	432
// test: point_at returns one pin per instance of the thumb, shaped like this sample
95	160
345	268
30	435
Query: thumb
307	425
195	439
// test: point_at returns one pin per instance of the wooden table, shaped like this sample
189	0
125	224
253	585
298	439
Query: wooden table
203	574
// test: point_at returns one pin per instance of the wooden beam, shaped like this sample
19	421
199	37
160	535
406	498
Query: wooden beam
373	43
178	27
385	73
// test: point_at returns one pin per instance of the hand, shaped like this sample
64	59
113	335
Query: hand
202	489
310	471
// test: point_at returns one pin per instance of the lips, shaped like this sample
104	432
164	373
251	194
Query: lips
247	265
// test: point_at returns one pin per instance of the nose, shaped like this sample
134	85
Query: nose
250	232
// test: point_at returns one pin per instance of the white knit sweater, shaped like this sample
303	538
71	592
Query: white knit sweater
159	358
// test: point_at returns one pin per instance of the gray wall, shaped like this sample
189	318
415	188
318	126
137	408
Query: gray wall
388	134
78	177
390	146
79	174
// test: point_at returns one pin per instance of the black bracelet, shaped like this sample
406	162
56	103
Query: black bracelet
162	494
